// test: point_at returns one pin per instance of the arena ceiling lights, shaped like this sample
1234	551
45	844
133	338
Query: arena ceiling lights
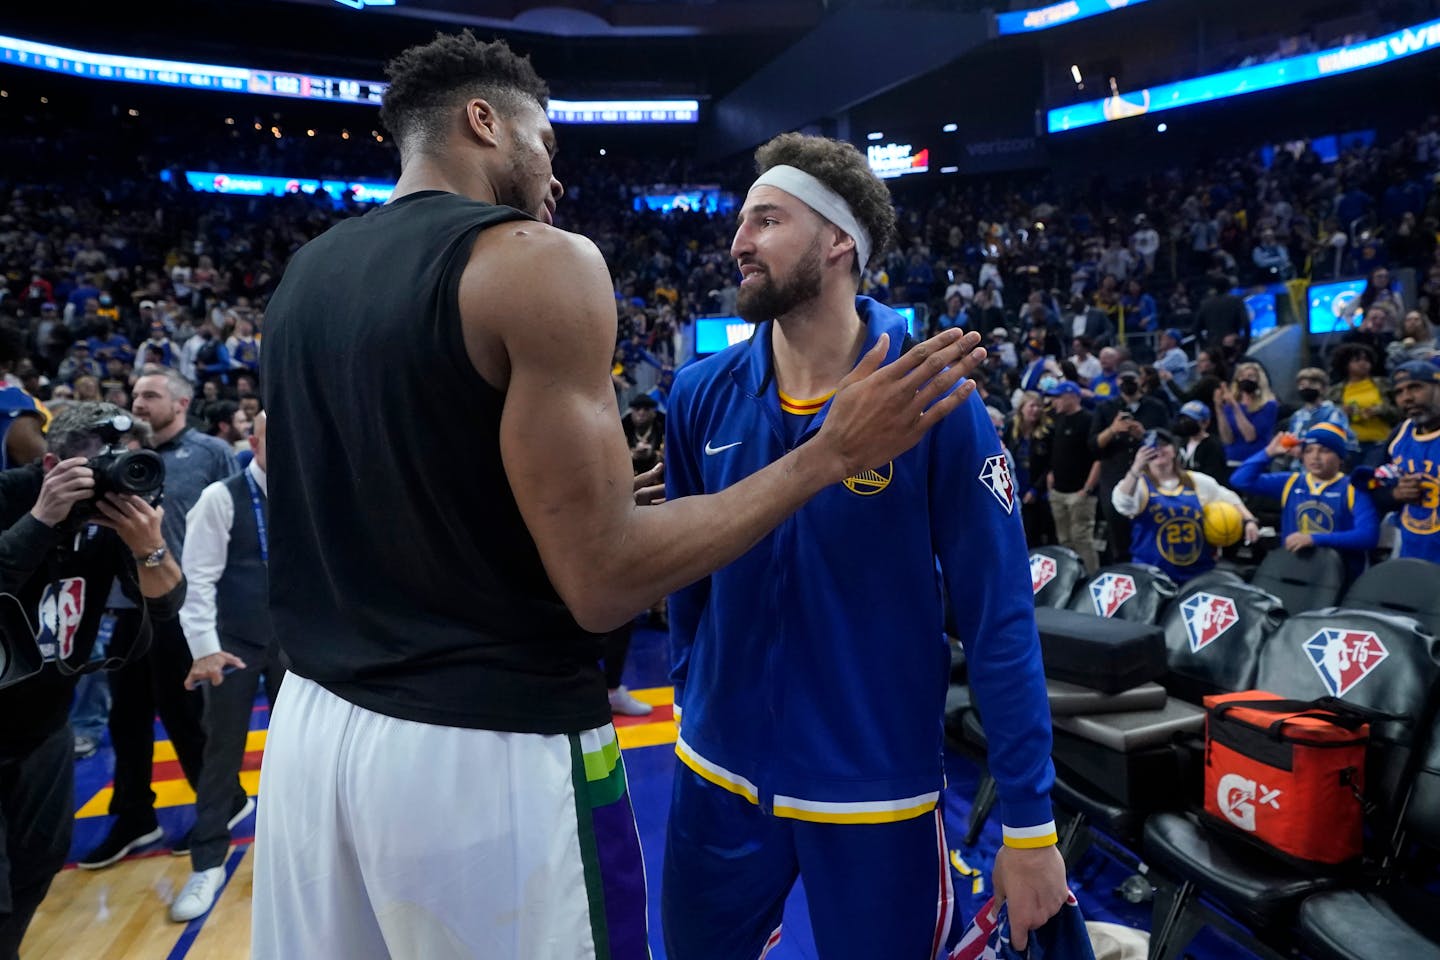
200	76
1266	76
1056	15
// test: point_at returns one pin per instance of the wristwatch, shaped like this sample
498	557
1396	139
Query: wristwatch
153	559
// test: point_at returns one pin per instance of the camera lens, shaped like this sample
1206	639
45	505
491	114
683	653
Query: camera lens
140	472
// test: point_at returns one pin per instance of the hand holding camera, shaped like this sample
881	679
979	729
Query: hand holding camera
70	482
134	519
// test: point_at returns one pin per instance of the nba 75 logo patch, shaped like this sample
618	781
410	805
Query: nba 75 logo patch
1206	618
1345	657
1042	571
995	475
1110	591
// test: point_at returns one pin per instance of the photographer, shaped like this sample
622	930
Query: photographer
57	559
1115	435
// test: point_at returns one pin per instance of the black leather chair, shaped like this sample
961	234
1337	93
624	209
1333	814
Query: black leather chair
1135	592
1307	580
1404	585
1054	574
1398	919
1398	673
1107	779
1214	632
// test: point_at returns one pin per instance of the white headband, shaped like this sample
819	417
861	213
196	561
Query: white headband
824	201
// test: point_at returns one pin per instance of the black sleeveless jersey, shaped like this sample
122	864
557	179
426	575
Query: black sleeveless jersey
402	577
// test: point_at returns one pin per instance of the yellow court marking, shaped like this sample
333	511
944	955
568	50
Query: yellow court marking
647	734
655	696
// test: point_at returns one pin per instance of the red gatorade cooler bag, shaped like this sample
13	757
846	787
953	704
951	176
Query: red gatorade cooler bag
1288	774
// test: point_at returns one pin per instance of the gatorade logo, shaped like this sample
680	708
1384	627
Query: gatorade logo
1239	797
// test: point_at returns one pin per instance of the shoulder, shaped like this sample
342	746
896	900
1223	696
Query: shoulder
213	445
527	255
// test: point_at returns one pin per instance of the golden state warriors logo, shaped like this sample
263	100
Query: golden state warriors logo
1424	517
867	483
1315	517
1179	541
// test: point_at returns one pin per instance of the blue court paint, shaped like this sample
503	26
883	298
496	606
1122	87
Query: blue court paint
192	929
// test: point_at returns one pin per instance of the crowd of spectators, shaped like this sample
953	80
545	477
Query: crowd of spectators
1067	280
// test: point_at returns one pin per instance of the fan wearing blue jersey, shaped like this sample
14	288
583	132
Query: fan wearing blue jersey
1415	459
1319	507
810	673
1167	504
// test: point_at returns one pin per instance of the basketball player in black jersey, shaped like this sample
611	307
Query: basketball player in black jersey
452	523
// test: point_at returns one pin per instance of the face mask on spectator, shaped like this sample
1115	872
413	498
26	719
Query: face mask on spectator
1249	386
1309	394
1129	387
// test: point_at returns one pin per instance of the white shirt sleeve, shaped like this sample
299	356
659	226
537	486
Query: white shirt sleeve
207	546
1130	505
1209	490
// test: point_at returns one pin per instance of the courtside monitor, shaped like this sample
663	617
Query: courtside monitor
1333	306
713	334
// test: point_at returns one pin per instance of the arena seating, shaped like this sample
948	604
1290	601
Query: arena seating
1260	890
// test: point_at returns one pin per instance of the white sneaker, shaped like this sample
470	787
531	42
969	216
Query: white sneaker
623	703
242	813
198	895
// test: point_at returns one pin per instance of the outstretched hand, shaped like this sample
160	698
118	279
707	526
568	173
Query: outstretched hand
879	412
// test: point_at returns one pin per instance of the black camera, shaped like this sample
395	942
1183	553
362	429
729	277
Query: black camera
119	469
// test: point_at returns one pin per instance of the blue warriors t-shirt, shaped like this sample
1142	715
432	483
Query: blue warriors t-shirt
1169	533
1413	452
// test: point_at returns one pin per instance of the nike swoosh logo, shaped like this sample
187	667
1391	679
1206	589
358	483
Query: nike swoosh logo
711	451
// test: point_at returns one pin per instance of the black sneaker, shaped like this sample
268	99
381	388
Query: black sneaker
119	843
244	806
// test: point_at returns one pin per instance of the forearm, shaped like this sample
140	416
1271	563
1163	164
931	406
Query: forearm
1227	436
1093	479
22	549
160	580
658	550
1243	424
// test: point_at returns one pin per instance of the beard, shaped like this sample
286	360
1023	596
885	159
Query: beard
769	298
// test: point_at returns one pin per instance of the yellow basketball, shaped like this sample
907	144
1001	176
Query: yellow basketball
1224	524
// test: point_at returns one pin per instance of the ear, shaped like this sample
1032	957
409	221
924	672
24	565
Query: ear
48	462
842	243
482	121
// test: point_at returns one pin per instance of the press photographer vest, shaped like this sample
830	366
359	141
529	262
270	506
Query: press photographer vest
242	614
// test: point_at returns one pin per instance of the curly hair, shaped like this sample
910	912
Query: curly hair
430	80
843	169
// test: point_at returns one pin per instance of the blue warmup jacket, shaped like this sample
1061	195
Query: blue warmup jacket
811	672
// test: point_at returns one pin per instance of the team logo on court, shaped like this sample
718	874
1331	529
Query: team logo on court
867	483
1238	798
1206	618
996	477
1345	657
1110	591
62	606
1042	571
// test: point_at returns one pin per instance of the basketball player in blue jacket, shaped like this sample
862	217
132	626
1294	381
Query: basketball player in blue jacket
811	672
